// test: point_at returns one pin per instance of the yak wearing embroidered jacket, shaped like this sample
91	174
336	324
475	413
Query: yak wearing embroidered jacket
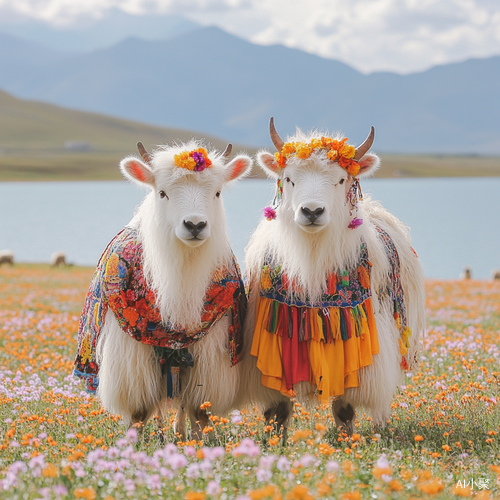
119	284
324	342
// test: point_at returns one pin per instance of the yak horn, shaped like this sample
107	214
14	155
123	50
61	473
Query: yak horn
144	154
363	148
277	140
228	150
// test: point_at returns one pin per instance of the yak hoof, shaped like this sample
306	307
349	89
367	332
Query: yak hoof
344	416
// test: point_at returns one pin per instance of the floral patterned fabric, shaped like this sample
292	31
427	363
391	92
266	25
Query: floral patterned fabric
348	288
119	284
396	294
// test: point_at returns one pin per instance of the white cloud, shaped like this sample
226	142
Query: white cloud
371	35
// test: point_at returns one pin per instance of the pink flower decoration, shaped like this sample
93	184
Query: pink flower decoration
355	223
269	213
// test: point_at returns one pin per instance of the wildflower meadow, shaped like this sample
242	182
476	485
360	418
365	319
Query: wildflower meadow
57	443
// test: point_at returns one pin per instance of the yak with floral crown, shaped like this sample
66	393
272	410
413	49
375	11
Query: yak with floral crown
163	317
336	292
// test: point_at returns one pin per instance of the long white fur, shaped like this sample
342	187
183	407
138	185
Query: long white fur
307	257
130	377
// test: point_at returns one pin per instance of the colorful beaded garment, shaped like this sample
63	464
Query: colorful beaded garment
119	284
325	342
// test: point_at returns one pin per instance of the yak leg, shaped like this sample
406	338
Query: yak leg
180	424
280	413
344	415
130	380
199	420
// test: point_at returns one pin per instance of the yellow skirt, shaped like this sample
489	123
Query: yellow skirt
332	365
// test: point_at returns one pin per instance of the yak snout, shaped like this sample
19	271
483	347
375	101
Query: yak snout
311	217
193	230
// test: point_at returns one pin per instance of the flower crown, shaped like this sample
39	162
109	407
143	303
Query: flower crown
196	160
337	150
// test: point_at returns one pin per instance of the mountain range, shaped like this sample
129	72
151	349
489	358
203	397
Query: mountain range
208	80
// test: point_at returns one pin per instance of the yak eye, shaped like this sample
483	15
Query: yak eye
217	194
163	194
341	181
287	179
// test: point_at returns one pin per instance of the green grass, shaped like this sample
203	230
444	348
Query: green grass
32	137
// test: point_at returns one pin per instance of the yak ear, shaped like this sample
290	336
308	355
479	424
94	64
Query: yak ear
238	167
137	171
368	165
268	163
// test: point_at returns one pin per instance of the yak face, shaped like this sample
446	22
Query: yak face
315	190
187	204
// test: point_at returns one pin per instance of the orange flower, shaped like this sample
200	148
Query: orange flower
288	149
462	491
280	160
87	493
195	495
300	492
205	405
352	495
431	487
419	438
50	470
300	435
303	150
396	485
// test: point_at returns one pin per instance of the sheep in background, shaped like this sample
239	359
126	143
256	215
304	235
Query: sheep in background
58	259
6	257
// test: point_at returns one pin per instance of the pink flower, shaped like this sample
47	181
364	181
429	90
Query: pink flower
213	488
355	223
269	213
246	447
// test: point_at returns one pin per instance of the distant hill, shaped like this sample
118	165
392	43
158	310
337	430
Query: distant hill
212	81
40	141
92	34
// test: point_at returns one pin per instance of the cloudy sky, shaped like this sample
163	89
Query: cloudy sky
371	35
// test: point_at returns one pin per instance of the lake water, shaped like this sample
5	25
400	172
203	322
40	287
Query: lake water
454	222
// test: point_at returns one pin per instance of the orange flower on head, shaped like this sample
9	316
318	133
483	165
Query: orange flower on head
303	150
280	160
288	149
332	155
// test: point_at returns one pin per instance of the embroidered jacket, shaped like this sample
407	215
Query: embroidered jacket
119	284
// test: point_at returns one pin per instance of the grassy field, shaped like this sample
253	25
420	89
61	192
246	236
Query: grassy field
56	442
33	135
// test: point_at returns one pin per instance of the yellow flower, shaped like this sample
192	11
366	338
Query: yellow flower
347	151
303	150
288	149
332	155
316	144
185	160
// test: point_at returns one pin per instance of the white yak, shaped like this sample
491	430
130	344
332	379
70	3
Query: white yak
330	316
161	317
